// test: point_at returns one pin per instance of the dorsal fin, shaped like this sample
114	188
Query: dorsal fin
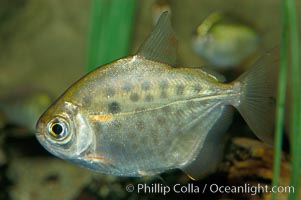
161	44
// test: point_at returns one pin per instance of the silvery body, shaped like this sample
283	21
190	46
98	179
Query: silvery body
141	116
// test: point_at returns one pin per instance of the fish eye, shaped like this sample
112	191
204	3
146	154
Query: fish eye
58	129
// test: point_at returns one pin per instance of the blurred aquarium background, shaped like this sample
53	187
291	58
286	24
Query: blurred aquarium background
45	46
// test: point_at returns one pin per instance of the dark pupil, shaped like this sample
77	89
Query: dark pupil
57	129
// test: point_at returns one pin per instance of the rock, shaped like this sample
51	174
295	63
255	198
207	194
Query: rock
249	161
45	179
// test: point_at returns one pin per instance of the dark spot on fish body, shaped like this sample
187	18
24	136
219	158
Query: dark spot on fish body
161	120
153	132
86	100
114	107
191	103
180	90
179	113
134	97
117	125
110	92
197	88
146	85
127	87
163	85
140	125
149	98
163	94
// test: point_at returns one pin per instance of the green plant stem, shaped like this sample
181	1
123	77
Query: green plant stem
280	99
295	106
110	31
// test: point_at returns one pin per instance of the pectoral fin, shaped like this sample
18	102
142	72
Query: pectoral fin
95	157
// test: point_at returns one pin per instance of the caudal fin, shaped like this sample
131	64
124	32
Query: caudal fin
258	97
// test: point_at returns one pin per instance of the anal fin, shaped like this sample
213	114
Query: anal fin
211	153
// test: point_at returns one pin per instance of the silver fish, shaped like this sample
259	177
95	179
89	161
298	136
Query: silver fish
140	116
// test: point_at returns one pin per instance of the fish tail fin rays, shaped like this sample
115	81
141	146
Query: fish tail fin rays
258	96
161	44
211	152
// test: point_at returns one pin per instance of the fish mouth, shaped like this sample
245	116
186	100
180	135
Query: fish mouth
40	127
39	134
40	137
44	143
